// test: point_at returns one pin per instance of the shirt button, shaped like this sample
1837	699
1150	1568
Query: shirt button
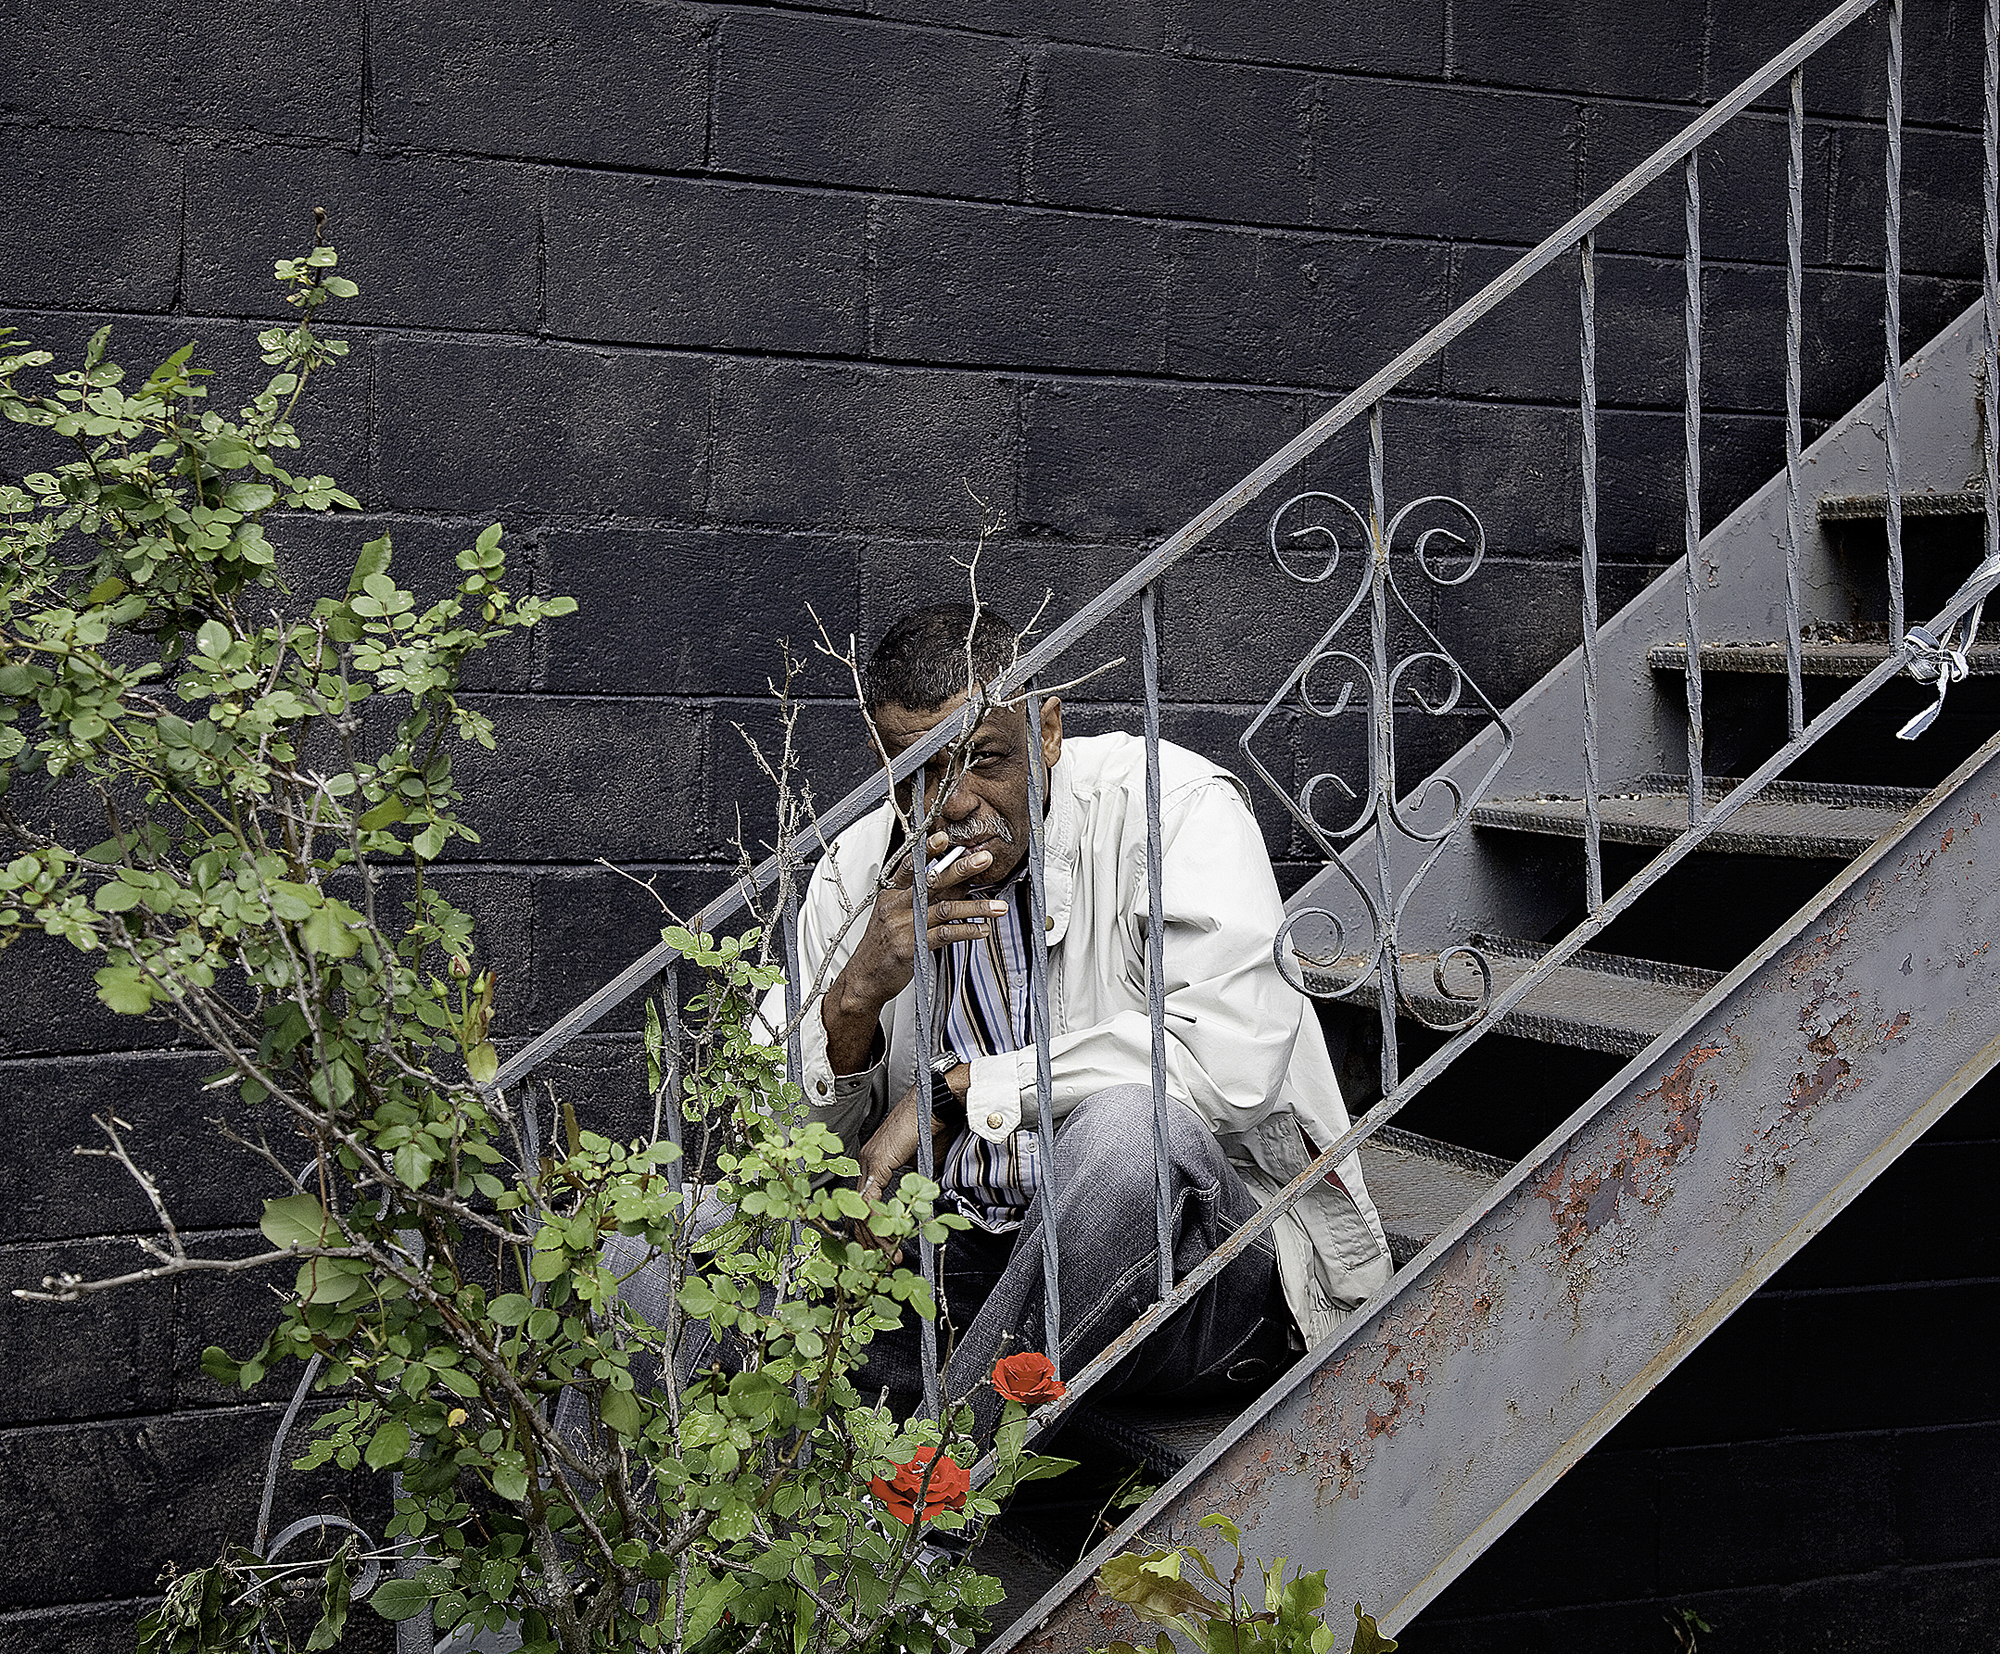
994	1122
820	1087
1048	921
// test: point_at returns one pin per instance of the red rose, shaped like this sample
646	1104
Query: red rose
949	1484
1029	1378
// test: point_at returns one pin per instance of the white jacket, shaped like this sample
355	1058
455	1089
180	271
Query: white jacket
1243	1047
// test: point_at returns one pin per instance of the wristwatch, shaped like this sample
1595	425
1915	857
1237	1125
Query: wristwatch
946	1104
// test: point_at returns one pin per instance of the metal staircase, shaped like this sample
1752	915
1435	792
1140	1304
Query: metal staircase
1757	958
1536	1303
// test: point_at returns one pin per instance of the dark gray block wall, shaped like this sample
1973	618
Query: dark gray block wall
729	309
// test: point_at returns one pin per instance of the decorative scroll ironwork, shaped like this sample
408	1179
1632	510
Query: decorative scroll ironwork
1310	536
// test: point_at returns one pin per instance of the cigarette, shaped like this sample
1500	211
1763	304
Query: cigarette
943	863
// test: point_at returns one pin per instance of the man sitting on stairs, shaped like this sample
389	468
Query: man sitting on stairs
1251	1089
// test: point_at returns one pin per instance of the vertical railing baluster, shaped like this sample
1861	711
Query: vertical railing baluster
1691	473
1795	166
1381	753
1593	850
1990	227
1156	922
925	980
531	1121
1038	1012
1892	322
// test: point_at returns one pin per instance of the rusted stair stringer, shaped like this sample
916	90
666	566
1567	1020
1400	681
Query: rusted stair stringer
1406	1445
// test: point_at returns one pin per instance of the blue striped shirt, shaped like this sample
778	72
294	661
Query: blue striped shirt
983	1005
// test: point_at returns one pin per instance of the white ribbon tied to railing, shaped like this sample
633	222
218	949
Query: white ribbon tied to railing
1941	661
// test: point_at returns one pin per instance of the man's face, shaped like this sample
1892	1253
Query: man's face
987	806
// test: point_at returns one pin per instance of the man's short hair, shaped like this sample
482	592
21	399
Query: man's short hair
921	661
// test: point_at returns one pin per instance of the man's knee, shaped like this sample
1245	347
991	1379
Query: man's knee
1108	1140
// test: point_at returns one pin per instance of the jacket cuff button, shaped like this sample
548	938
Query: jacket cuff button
820	1087
994	1122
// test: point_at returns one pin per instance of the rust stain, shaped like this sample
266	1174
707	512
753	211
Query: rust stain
1584	1203
1824	1081
1893	1030
1827	1016
1815	954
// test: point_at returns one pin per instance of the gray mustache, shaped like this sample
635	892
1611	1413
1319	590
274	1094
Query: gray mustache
979	827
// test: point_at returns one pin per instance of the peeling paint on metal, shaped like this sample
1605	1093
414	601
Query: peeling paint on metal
1584	1201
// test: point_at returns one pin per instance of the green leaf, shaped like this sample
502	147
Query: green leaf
334	1598
386	814
249	496
326	931
510	1483
1368	1638
1222	1525
216	1362
400	1599
413	1166
226	453
1042	1467
330	1280
125	989
116	897
107	590
458	1383
374	559
620	1410
546	1266
1152	1588
429	842
212	639
11	741
297	1220
389	1446
482	1062
510	1309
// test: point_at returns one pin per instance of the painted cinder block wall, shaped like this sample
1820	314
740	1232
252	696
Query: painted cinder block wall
730	309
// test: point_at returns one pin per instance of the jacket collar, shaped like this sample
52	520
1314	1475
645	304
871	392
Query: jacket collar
1059	848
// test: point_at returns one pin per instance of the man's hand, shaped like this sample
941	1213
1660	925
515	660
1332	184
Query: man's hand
894	1146
886	956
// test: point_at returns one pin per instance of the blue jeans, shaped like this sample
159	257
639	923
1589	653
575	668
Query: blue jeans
1235	1334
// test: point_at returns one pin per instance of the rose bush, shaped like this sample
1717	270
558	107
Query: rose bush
272	772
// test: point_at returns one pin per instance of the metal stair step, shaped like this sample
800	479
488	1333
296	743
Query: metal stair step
1816	660
1854	508
1422	1186
1788	818
1594	1001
